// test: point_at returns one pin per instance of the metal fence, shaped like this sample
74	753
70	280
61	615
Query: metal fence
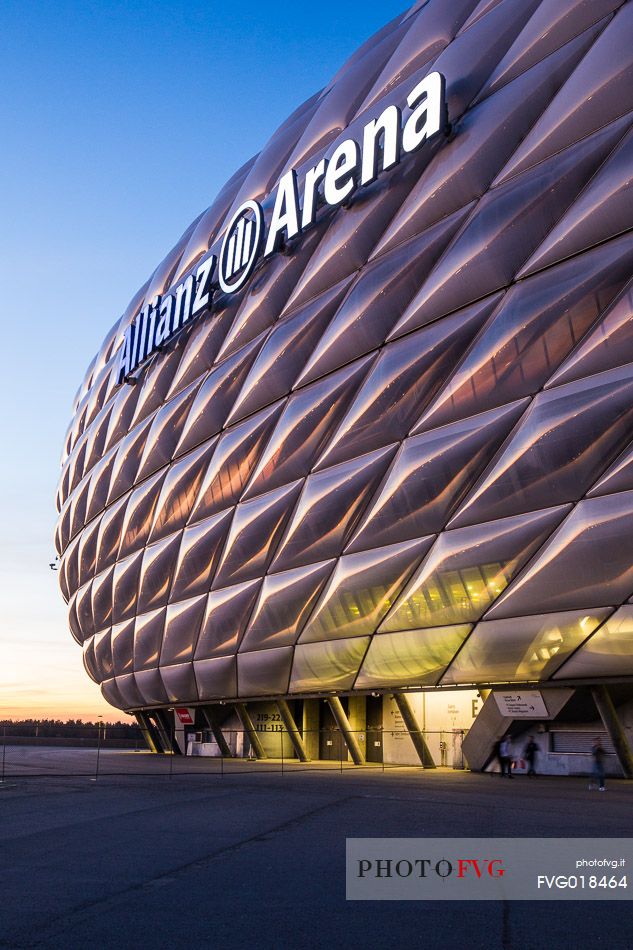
96	752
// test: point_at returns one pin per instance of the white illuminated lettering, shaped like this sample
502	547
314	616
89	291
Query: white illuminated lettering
386	125
184	299
163	330
340	176
328	183
285	213
429	116
141	335
125	360
203	283
151	326
312	179
138	333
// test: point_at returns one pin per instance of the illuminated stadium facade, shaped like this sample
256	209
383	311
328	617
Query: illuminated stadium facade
368	428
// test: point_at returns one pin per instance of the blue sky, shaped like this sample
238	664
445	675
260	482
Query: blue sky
120	122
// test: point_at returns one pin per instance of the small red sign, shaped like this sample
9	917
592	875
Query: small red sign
184	716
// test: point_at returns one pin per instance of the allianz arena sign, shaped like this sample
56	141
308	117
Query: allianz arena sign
384	142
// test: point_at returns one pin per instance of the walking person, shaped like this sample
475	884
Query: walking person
597	772
497	752
505	756
530	752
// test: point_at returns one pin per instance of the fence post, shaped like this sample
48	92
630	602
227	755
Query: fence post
98	749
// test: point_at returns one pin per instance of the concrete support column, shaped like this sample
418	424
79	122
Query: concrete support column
166	731
249	728
342	722
292	730
413	728
612	724
357	715
150	734
180	735
311	727
218	735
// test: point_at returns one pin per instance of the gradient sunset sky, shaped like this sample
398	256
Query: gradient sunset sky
121	121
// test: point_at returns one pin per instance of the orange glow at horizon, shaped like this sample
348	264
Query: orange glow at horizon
41	670
77	697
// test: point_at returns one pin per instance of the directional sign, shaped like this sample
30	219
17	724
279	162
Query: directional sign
528	705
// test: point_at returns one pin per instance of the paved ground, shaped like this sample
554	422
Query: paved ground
256	859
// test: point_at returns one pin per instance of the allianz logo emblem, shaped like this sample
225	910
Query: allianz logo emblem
241	246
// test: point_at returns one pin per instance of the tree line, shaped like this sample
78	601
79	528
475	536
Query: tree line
67	729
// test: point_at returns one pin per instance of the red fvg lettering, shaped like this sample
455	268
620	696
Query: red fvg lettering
478	866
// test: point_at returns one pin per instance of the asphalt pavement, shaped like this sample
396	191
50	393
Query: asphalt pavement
176	855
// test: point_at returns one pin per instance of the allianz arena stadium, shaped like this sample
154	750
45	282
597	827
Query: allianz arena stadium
365	435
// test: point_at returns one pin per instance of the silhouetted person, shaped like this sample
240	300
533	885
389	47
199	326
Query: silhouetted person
597	772
497	751
530	753
505	756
